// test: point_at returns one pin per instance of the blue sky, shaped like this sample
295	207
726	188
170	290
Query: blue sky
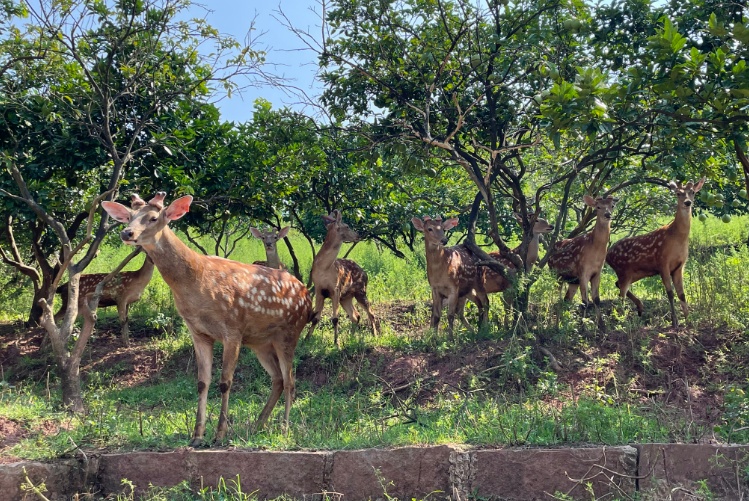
285	57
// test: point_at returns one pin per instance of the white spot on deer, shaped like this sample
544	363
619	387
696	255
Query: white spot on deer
241	303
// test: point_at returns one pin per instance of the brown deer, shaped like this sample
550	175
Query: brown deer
493	281
122	290
269	239
226	301
452	273
341	280
579	260
662	252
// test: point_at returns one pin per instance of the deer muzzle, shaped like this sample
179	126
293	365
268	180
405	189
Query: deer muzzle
127	236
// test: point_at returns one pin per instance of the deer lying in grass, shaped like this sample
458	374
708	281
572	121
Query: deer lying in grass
226	301
123	290
579	260
493	281
661	252
341	280
452	273
269	239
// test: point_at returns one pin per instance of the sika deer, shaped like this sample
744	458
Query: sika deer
662	252
122	290
226	301
269	239
579	260
341	280
493	281
452	273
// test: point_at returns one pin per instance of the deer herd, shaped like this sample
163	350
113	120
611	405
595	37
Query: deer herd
264	307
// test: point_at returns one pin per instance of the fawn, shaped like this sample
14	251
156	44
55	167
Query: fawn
341	280
661	252
269	239
452	273
579	260
226	301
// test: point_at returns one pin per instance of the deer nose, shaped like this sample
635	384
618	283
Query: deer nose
444	241
126	234
607	214
688	203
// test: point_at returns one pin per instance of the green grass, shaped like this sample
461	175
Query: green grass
516	401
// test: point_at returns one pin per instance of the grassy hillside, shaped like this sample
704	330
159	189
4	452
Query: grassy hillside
633	380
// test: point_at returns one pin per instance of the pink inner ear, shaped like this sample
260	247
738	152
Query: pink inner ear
179	208
118	211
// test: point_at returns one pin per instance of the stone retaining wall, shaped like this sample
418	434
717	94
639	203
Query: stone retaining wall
656	471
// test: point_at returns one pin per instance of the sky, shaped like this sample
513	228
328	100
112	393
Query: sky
285	57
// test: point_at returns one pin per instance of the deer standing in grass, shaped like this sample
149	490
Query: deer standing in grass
226	301
579	260
341	280
493	281
122	290
661	252
452	273
269	239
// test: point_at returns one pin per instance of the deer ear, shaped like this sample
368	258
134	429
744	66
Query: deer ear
673	186
418	224
338	216
450	223
256	233
178	208
327	220
283	232
118	211
698	186
589	201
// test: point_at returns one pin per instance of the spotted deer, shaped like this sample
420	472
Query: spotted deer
269	239
226	301
579	260
341	280
661	252
493	281
122	290
452	273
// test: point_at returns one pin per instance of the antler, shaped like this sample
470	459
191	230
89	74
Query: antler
158	200
136	202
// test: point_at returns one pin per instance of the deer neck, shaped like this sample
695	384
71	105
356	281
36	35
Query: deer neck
436	256
602	232
271	257
683	220
180	266
532	255
146	271
328	253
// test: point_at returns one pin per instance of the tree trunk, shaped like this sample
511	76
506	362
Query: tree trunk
68	369
35	314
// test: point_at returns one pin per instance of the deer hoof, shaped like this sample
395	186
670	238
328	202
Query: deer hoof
196	442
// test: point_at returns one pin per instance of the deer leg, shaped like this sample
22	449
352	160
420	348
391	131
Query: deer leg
364	302
461	313
285	355
353	315
319	303
336	302
595	282
482	301
571	291
452	305
678	277
122	312
270	362
204	358
436	309
666	278
228	365
584	293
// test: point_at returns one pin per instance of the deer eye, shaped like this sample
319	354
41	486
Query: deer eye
429	229
154	219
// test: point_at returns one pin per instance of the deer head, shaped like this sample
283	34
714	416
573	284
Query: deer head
270	237
685	194
602	205
338	230
540	227
146	222
434	229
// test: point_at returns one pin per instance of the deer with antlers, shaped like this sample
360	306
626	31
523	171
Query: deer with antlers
493	281
122	290
579	260
452	273
269	239
661	252
226	301
341	280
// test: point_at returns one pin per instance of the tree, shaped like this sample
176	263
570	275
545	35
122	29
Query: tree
117	72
